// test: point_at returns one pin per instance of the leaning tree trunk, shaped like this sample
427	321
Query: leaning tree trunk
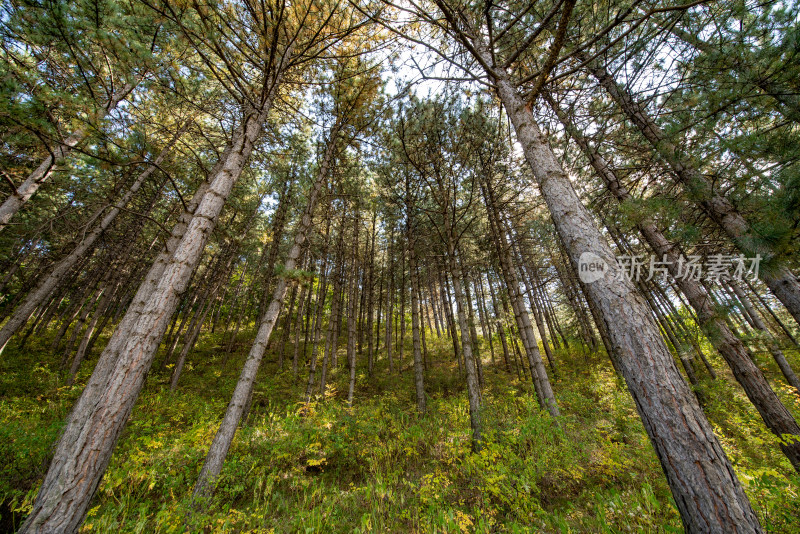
50	281
541	382
24	191
772	344
96	422
775	415
224	437
706	490
783	283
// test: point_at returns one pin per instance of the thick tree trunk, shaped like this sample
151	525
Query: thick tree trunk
783	283
775	415
706	490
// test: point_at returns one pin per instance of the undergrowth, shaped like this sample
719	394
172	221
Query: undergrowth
381	467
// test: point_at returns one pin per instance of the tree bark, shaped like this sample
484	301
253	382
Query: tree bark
212	466
706	490
24	191
775	415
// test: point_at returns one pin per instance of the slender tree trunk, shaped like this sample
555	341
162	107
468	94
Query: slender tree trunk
772	344
390	300
706	490
322	293
370	295
352	299
541	382
188	344
57	274
224	437
483	314
94	426
775	415
23	192
499	322
473	388
419	369
286	327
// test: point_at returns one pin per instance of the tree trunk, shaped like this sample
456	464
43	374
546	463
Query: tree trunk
772	344
56	275
24	191
352	299
775	415
94	426
783	283
706	490
212	466
541	383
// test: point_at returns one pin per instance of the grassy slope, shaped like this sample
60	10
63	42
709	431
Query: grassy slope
380	467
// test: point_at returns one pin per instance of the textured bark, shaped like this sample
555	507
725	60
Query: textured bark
244	386
96	422
775	415
783	283
706	490
24	191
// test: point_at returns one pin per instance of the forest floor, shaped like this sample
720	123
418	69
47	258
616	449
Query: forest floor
380	467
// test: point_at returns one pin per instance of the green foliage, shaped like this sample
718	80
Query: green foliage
381	467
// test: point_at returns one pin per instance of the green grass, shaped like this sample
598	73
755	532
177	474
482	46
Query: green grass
380	467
